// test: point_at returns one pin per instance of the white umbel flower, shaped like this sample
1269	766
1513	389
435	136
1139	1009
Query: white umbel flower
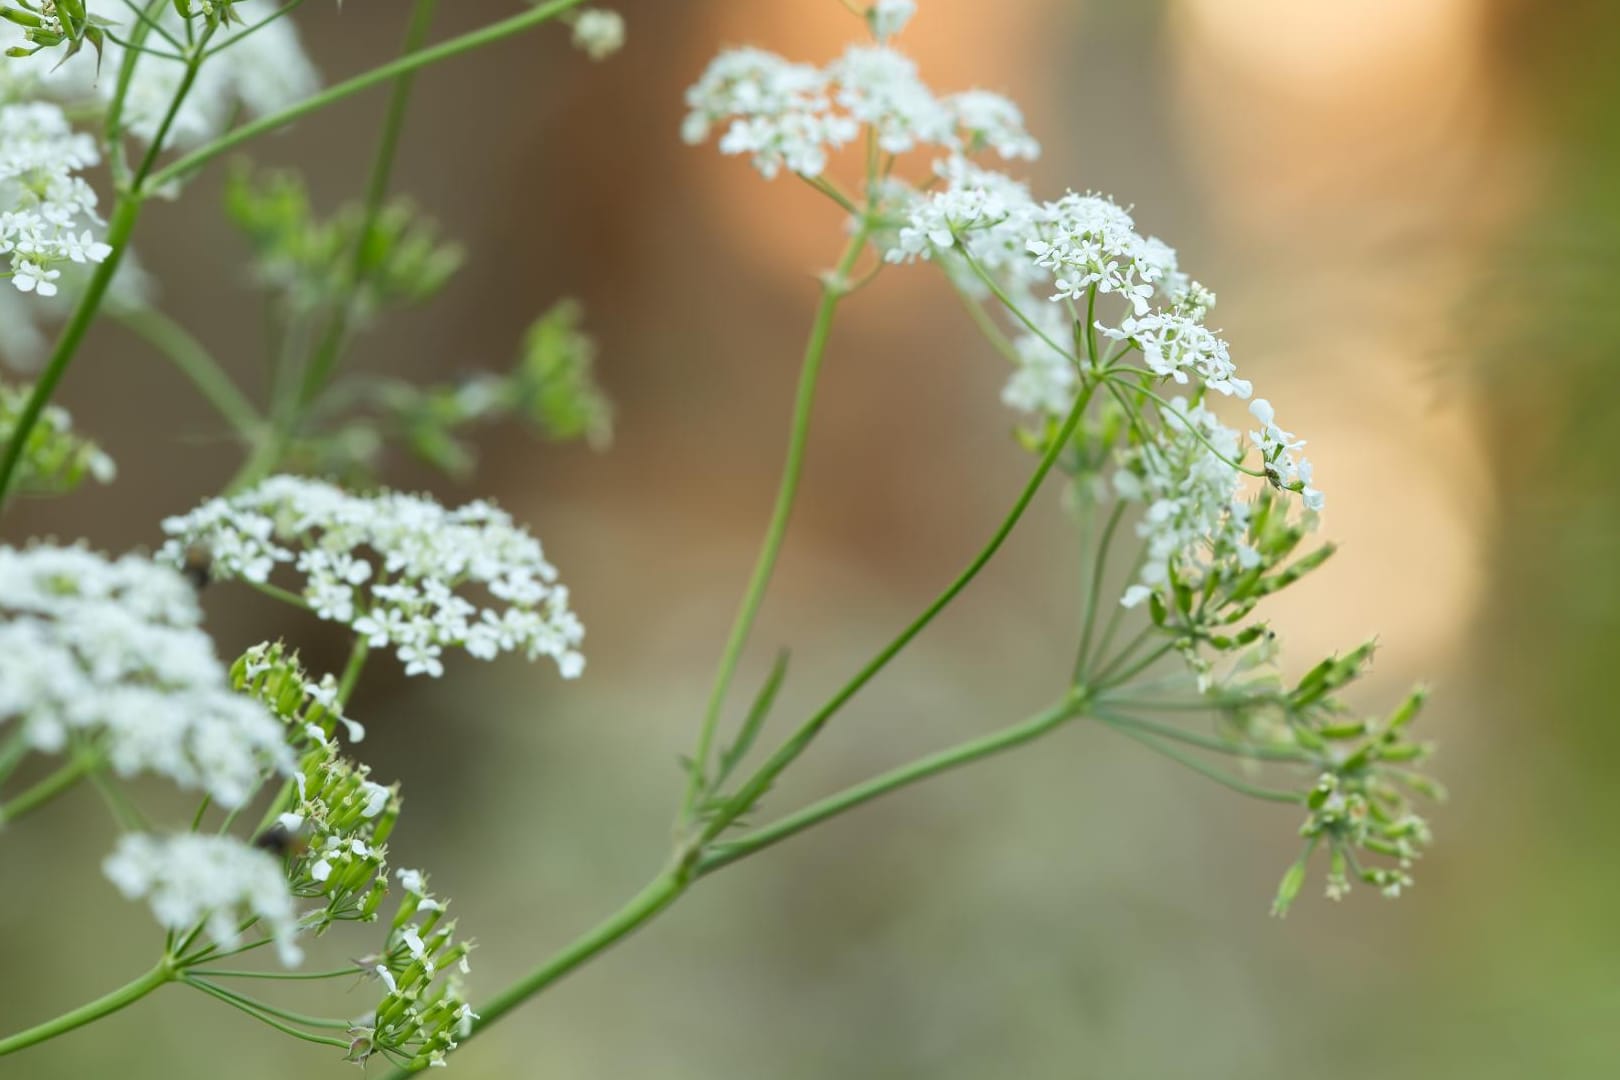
389	565
599	33
110	651
47	211
191	878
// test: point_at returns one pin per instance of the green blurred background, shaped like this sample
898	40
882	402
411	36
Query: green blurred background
1412	214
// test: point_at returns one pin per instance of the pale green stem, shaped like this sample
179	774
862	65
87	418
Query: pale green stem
326	353
834	288
84	1014
195	363
1202	768
475	39
790	750
1083	654
904	776
48	788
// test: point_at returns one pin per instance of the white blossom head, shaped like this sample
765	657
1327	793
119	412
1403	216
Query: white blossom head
108	654
402	571
189	879
48	213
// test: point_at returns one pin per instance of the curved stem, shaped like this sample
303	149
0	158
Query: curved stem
119	226
1204	769
84	1014
47	789
475	39
904	776
1083	654
195	363
263	1017
326	353
833	289
784	756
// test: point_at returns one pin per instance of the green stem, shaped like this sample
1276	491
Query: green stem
476	39
1083	654
84	1014
833	289
119	226
326	353
944	761
265	1018
790	750
155	149
351	671
1204	769
641	909
260	1006
47	789
337	973
1203	742
195	363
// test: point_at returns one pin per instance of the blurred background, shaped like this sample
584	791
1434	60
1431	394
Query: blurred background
1411	213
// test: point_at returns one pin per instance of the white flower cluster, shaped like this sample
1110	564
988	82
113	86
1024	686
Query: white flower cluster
389	565
260	73
1195	516
110	651
191	878
787	114
599	33
46	209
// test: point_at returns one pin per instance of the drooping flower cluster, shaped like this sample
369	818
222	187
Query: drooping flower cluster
389	565
47	210
54	458
190	879
108	655
1194	515
333	845
258	72
791	115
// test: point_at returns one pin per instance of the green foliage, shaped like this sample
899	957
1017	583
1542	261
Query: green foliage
54	459
312	263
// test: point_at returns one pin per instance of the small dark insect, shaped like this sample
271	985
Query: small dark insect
282	842
198	565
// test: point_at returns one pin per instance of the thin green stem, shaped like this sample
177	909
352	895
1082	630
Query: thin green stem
119	226
154	150
13	749
834	288
123	811
1083	653
904	776
1166	408
319	369
48	788
194	362
1111	679
987	326
790	750
351	670
475	39
1202	768
153	25
1006	301
289	976
253	1003
1198	739
276	592
94	1010
641	909
263	1017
